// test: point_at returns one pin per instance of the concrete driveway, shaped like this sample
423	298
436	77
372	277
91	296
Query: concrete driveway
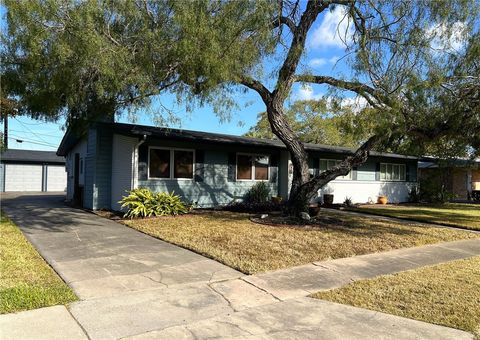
134	286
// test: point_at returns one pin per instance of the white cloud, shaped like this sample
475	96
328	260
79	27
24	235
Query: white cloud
306	92
318	62
448	38
355	103
334	31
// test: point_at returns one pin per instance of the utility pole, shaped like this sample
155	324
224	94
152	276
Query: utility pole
5	131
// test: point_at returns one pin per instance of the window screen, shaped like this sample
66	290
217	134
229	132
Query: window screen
183	161
244	167
159	163
261	168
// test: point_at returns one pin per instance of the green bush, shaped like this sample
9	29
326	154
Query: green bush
143	202
433	190
414	195
259	193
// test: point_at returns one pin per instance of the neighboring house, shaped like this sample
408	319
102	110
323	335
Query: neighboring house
32	170
211	169
460	177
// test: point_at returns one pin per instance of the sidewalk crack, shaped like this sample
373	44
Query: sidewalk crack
260	288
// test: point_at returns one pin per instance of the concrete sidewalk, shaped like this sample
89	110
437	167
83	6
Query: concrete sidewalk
133	285
304	280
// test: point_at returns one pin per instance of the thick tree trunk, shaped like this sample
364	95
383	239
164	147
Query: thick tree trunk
301	196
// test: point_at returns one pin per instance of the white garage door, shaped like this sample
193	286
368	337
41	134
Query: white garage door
56	178
20	177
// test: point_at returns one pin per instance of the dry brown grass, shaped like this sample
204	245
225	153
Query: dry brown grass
451	214
446	294
231	238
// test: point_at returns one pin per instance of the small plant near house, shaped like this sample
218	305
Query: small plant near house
348	202
414	195
143	202
257	199
259	193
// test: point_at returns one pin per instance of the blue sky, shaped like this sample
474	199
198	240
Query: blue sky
324	48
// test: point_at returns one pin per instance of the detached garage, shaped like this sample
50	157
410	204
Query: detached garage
31	170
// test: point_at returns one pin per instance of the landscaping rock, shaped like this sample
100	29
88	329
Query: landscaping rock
305	216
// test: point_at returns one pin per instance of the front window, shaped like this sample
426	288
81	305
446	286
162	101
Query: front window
171	163
252	167
328	164
159	163
183	164
392	172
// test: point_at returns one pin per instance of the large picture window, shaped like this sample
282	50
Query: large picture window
328	164
392	172
252	167
171	163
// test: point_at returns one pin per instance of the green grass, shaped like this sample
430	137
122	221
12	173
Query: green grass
26	280
231	238
451	214
446	294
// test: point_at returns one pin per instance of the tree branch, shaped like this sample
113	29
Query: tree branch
283	20
258	87
354	86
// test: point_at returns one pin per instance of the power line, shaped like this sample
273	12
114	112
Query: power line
21	139
30	130
41	134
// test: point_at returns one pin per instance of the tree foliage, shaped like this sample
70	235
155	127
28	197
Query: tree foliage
322	122
414	62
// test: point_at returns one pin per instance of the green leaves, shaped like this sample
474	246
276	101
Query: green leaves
143	202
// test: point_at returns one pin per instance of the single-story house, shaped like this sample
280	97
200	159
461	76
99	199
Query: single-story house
211	169
461	177
32	170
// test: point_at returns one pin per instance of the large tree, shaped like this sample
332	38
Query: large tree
322	122
102	57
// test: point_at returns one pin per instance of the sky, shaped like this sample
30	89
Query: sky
324	50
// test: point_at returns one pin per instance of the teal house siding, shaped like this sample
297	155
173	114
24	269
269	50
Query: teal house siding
213	185
214	181
98	169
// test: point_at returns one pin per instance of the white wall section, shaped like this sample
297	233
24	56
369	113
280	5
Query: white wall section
365	191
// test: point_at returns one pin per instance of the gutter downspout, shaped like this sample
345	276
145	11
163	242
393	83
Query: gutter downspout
135	162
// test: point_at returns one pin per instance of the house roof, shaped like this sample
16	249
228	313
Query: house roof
209	137
31	156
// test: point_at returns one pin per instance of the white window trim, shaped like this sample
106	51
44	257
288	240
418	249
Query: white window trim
393	180
172	164
340	178
252	178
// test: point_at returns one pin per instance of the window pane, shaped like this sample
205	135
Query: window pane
389	172
159	163
396	172
383	172
261	168
183	164
323	165
244	167
331	164
402	172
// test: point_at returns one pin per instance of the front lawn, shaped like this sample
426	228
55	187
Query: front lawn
446	294
231	238
26	280
452	214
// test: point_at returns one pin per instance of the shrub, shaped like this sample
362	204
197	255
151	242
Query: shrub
414	195
433	190
348	202
259	193
143	202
